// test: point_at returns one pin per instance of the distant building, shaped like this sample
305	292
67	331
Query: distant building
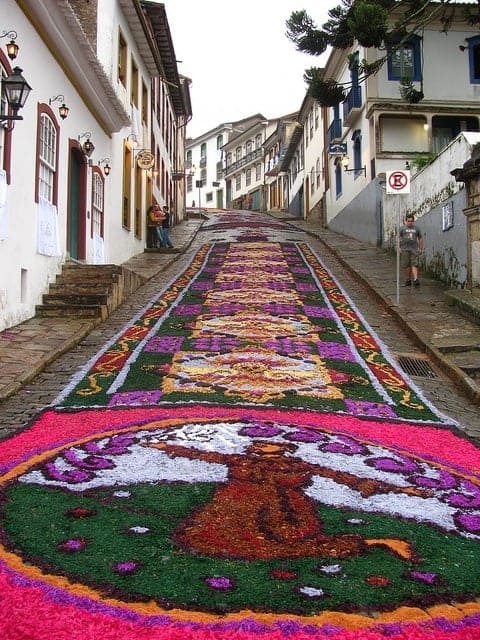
206	157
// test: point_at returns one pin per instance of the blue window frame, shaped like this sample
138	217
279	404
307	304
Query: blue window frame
338	180
357	152
405	61
474	59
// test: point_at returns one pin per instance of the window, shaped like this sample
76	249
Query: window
238	182
248	177
209	197
144	103
97	204
127	177
238	153
203	151
122	59
318	173
258	172
405	61
258	141
474	59
219	170
357	152
189	183
47	156
219	141
249	147
203	176
338	180
134	85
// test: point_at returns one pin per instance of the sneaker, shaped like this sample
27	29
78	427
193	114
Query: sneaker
416	283
408	283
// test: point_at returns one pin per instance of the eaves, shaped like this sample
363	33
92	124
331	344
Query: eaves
59	28
423	107
168	70
291	148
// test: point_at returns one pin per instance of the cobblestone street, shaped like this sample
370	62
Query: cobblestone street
242	432
17	411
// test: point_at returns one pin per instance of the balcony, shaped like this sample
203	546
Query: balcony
242	162
352	105
334	133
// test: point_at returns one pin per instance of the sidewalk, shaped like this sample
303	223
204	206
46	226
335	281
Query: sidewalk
449	338
26	349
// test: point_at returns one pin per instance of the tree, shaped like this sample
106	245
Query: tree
384	24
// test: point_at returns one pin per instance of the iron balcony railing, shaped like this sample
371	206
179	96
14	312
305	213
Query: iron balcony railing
352	101
253	155
334	132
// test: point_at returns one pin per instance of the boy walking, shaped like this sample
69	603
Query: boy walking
411	246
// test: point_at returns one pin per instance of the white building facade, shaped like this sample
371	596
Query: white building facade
71	188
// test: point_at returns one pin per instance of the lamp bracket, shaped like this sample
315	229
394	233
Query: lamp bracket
59	98
9	34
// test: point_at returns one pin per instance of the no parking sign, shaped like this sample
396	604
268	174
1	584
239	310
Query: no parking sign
397	181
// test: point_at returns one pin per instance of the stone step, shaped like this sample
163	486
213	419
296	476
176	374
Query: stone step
75	299
64	311
85	268
90	277
95	288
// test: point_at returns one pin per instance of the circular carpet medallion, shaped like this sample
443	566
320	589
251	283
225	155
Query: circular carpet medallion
225	522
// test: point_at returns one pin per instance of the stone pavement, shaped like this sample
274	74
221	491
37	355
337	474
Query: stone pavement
450	339
449	335
28	348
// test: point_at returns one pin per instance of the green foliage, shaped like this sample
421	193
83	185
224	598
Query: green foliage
408	91
327	92
422	160
369	22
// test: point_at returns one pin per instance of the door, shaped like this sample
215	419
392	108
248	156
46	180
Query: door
76	223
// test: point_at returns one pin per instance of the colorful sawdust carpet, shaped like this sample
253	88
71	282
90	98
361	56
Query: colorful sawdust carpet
244	460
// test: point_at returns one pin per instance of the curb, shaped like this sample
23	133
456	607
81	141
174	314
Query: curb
10	389
457	375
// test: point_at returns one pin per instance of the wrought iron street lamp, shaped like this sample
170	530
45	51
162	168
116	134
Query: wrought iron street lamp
15	89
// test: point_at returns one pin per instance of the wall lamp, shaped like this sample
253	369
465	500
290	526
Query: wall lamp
12	46
15	90
132	137
62	109
88	146
357	170
106	168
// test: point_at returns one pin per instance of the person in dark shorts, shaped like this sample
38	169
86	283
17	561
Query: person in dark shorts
411	246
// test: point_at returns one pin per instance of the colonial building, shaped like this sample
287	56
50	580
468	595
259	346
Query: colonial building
78	172
385	126
244	165
209	163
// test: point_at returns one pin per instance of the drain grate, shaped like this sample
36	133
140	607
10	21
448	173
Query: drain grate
416	367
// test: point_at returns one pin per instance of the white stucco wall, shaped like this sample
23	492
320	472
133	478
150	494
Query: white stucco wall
432	185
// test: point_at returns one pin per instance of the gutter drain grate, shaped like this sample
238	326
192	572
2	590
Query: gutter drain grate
416	367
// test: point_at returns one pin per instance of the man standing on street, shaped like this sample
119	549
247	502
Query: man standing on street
165	226
411	246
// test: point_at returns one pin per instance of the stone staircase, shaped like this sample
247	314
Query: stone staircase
88	291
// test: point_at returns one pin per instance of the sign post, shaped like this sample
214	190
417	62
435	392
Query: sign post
199	184
398	182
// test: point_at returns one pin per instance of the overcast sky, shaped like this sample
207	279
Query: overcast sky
238	57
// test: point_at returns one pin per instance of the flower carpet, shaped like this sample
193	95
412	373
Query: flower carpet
244	460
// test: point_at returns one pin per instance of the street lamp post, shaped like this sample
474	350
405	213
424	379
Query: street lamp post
199	184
